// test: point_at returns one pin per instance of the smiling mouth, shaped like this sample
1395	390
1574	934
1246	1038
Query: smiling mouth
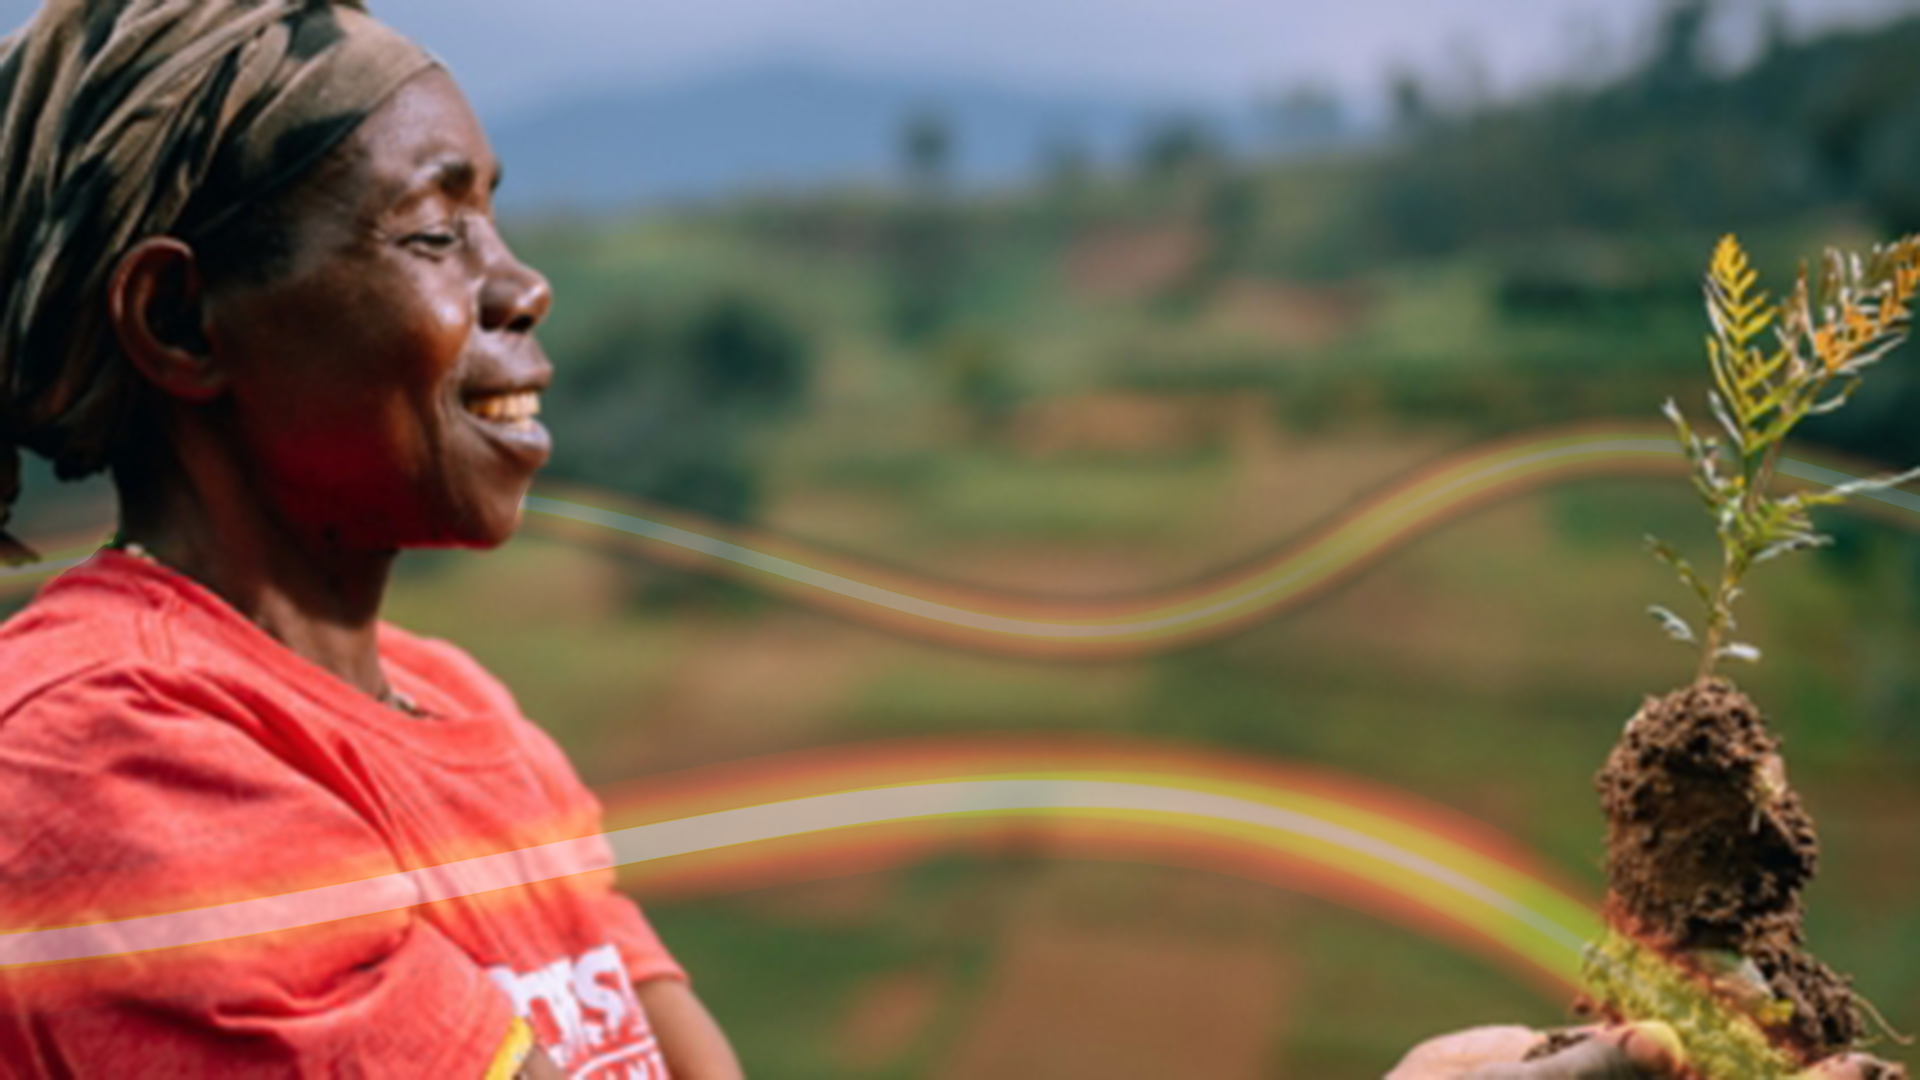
514	409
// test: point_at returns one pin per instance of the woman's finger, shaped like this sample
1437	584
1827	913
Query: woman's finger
1451	1056
1593	1059
1632	1052
1855	1067
1653	1047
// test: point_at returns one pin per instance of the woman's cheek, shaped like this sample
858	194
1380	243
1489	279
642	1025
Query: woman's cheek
450	317
416	322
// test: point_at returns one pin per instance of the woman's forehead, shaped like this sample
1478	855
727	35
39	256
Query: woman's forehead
424	138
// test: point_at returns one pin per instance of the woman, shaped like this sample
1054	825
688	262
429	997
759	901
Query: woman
253	272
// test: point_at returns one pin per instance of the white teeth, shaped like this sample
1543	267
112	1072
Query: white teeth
515	408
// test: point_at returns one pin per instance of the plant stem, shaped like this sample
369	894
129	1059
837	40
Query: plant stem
1735	558
1715	621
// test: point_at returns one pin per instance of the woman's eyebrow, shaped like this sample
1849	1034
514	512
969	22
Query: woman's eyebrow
455	176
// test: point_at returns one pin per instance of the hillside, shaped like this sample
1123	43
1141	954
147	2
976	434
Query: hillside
787	127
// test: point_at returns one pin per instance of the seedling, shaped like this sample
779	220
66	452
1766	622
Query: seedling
1708	845
1774	365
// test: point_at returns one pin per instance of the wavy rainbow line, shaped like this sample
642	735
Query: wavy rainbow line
831	812
828	813
992	622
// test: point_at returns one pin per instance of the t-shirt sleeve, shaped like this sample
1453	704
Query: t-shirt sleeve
645	954
142	827
449	668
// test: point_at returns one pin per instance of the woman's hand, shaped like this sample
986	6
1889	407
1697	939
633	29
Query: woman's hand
1498	1053
539	1066
690	1040
1855	1067
1628	1052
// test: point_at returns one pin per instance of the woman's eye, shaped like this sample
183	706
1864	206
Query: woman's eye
435	240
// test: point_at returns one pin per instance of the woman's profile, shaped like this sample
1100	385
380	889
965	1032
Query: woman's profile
252	272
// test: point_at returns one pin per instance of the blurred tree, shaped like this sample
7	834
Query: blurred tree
1066	180
1776	32
926	152
1411	104
1465	83
1678	62
979	377
1066	164
1672	147
1890	166
1855	100
1176	148
1304	120
927	251
746	357
1229	214
673	406
1066	170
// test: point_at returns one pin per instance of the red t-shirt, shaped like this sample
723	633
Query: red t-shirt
161	755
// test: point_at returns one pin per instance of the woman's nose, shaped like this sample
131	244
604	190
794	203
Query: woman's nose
516	297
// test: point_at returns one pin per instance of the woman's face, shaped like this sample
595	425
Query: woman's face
383	382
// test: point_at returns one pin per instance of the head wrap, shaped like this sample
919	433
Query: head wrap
125	119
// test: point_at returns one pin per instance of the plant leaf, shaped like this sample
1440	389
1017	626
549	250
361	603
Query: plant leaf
1882	483
1740	650
1721	413
1675	626
1665	553
1791	544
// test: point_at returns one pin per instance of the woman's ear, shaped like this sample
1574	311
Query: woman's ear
155	300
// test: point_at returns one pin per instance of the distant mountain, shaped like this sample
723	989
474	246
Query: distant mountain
785	127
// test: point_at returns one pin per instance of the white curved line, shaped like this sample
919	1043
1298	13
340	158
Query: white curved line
708	832
926	609
990	796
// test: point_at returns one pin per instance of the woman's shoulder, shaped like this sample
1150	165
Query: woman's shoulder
83	716
80	627
132	765
119	631
133	778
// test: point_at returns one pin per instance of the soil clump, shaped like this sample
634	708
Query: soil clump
1708	851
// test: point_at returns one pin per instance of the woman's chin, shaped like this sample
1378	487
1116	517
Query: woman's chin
489	526
477	524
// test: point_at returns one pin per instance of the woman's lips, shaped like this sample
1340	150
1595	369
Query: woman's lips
510	408
508	417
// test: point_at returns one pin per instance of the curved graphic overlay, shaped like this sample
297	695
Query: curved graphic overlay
832	812
989	622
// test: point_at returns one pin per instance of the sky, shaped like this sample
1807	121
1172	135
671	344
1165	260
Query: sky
514	55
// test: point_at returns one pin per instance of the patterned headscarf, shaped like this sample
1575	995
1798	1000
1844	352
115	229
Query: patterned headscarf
126	119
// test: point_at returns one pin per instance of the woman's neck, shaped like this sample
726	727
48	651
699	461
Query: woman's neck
196	511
